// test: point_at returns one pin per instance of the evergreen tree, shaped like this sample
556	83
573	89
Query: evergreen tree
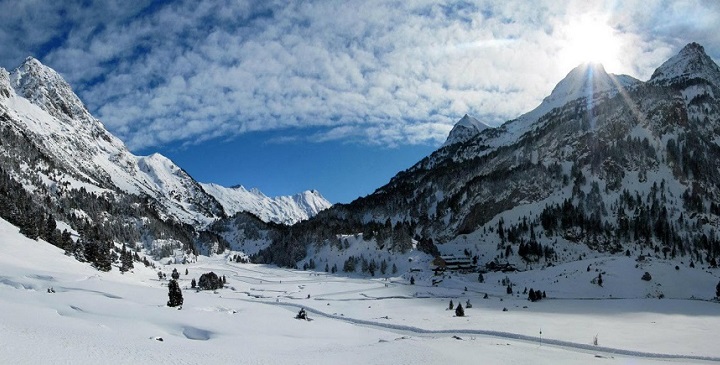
174	294
481	278
394	268
509	289
175	274
412	280
126	261
103	259
531	295
451	305
459	311
717	290
193	283
210	281
186	271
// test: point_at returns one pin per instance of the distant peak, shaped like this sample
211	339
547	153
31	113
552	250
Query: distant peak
690	63
44	87
693	47
30	60
464	129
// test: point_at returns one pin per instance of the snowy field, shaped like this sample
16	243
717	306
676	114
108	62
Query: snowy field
112	318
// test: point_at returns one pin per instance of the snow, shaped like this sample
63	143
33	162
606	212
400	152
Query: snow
281	209
95	317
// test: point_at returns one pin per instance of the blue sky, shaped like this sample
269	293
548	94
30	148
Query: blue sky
337	95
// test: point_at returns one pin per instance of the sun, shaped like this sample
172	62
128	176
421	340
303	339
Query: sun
589	40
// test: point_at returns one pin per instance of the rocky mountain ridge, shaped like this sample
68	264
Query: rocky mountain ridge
620	166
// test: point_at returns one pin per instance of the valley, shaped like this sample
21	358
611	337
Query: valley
96	316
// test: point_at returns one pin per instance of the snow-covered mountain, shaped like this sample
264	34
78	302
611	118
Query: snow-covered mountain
692	63
81	177
44	107
587	81
280	209
605	161
464	129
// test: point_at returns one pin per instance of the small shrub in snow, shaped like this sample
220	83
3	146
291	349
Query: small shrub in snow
451	306
647	276
175	274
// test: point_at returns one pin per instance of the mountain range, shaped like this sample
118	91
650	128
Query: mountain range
606	163
79	174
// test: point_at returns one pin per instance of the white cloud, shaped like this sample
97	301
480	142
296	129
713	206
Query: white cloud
380	72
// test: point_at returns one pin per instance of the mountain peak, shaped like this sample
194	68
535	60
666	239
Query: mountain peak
464	129
44	87
279	209
690	63
584	80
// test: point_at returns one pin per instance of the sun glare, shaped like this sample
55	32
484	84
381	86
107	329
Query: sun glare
590	40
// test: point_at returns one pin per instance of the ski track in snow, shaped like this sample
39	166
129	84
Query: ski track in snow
497	334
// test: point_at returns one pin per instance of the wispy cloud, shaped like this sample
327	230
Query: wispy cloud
378	72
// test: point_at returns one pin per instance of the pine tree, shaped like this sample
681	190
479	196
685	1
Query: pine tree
126	261
717	290
531	295
481	279
103	260
186	271
193	283
175	274
412	280
451	305
174	294
459	311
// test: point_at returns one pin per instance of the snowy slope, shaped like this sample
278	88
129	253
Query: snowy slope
281	209
106	317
